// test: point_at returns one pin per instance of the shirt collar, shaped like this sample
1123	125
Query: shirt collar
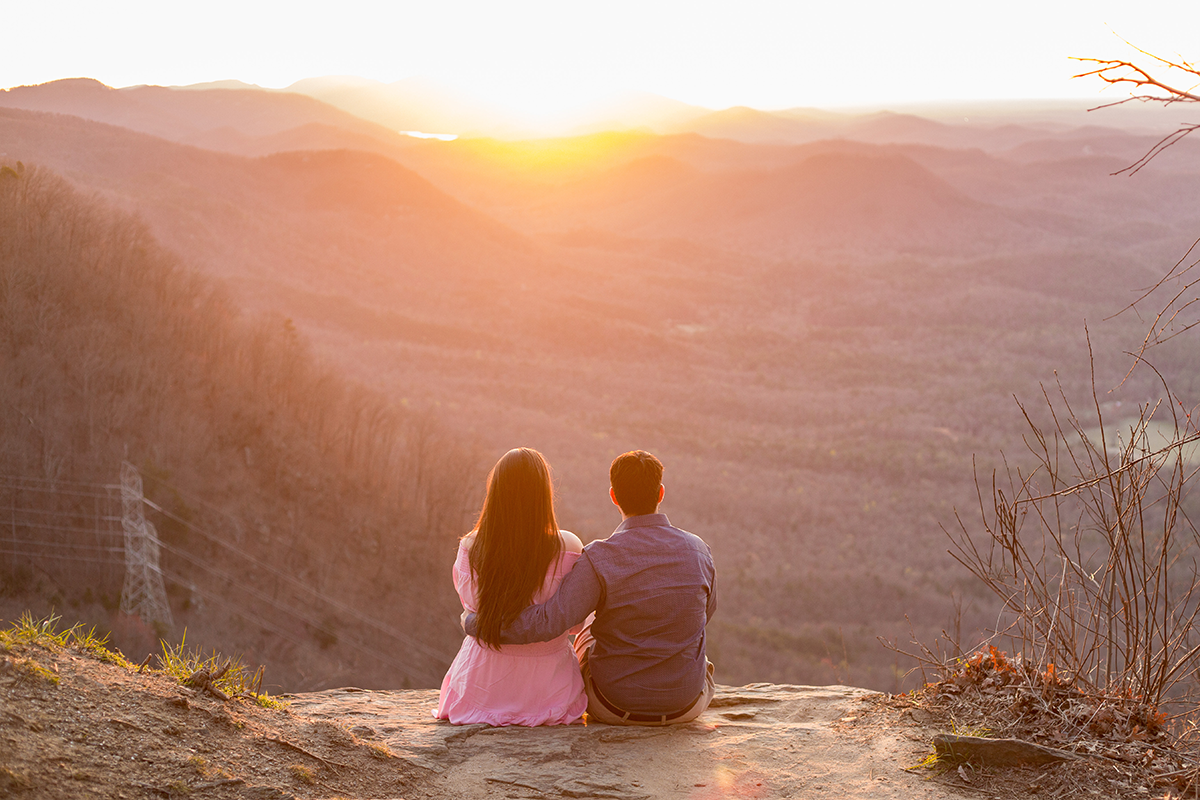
644	521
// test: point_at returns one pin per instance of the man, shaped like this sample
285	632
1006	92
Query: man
652	588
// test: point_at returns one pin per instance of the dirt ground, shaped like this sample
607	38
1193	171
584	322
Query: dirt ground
80	728
72	726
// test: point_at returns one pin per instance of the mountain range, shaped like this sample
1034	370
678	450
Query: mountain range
816	318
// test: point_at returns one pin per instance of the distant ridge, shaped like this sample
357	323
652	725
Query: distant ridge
229	84
217	114
861	201
193	114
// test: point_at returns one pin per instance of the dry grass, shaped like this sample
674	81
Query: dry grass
302	774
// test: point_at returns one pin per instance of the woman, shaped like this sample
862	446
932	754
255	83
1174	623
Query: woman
516	556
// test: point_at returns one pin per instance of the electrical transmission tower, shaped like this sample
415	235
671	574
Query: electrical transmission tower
143	593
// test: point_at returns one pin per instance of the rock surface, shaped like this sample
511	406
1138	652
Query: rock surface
759	741
997	752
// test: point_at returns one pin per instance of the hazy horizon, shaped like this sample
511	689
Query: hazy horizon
541	59
450	114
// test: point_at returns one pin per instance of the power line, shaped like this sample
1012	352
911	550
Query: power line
63	512
108	492
179	580
195	561
53	481
263	597
70	545
254	620
381	627
56	557
63	493
66	529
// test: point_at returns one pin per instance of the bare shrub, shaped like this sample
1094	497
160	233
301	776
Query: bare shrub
1090	552
1087	542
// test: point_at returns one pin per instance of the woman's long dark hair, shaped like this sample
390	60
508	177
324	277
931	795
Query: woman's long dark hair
516	539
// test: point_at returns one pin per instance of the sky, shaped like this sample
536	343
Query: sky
550	57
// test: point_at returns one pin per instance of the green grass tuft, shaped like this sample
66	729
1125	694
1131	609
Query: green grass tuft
979	732
303	774
939	765
97	648
266	701
45	633
29	671
180	663
177	661
380	750
930	762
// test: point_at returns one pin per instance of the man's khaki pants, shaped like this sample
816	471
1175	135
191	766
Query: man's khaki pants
598	712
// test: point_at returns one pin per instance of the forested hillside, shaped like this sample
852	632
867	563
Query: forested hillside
110	350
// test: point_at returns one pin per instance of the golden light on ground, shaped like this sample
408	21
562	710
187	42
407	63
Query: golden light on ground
729	781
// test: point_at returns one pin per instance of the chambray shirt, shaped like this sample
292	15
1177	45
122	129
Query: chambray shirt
653	588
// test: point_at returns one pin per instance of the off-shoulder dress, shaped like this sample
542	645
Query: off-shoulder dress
523	684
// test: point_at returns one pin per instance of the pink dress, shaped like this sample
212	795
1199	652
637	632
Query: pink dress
519	684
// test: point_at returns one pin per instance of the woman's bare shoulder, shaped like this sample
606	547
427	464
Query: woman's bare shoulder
467	540
571	543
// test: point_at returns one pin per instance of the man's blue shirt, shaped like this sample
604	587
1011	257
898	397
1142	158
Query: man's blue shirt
653	588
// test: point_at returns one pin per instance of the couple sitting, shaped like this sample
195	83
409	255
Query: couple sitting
637	602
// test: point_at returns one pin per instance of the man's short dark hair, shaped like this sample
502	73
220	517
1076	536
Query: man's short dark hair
636	477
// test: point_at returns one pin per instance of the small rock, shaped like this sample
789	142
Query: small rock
996	752
919	716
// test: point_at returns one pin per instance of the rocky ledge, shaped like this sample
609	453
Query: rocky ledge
760	741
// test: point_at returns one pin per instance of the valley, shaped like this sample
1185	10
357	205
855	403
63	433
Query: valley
821	339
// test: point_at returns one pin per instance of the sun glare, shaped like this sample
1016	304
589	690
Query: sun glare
442	137
546	61
560	155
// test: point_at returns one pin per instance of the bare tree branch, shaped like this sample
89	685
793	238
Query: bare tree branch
1148	85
